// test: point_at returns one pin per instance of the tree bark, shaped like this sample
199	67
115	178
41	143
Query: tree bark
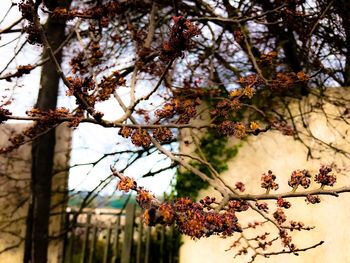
37	234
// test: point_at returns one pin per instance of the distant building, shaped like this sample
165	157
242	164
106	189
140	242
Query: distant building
15	170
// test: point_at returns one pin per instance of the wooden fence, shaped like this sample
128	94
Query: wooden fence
113	237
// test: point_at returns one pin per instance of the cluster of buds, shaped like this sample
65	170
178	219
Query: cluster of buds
183	107
262	206
282	203
162	134
101	12
140	137
126	184
268	181
300	177
237	206
280	216
313	199
225	107
240	186
181	34
230	128
286	239
287	80
297	225
46	121
193	219
21	70
4	113
108	85
324	178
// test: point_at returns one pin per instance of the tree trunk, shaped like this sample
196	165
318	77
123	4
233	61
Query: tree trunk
37	234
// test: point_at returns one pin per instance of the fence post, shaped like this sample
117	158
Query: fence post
128	233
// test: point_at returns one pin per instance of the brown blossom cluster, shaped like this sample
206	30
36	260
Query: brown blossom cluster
33	37
82	89
4	113
238	206
225	107
163	214
230	128
324	178
268	181
300	177
184	108
193	219
162	134
286	239
288	80
282	203
280	216
126	184
268	58
181	33
48	120
297	226
21	70
251	81
125	132
240	186
108	85
140	137
102	12
263	206
79	64
313	199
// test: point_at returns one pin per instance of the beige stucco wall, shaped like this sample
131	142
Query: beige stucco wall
15	168
282	155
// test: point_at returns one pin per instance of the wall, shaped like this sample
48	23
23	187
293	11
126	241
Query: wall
15	169
282	155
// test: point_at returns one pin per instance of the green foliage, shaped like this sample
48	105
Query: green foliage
215	149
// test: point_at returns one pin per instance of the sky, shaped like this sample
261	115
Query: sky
89	142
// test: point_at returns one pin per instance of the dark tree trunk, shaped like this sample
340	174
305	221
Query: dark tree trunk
37	234
343	9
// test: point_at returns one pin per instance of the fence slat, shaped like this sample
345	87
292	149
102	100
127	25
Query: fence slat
148	241
93	245
116	240
108	239
86	239
128	233
139	243
162	240
170	246
71	242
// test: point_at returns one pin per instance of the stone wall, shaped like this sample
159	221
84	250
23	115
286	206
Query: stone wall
282	155
15	169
